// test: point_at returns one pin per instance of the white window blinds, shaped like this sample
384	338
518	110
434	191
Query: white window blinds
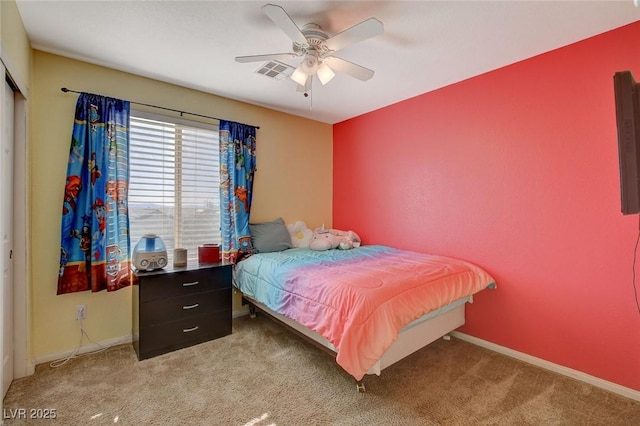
174	182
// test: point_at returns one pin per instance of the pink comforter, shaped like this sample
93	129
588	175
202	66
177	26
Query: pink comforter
360	300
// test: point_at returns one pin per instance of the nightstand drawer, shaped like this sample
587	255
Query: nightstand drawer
178	308
183	283
180	334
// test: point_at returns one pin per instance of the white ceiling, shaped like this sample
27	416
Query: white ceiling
426	44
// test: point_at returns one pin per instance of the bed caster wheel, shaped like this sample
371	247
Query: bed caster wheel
252	312
360	387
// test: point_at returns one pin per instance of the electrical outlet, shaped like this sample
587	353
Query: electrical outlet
81	312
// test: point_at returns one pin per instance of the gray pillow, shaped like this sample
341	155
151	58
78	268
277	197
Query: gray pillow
270	236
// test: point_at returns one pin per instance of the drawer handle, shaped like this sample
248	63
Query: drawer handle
190	284
189	330
195	305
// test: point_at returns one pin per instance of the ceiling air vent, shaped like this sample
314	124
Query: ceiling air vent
275	70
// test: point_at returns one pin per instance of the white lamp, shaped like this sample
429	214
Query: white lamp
299	76
309	66
325	74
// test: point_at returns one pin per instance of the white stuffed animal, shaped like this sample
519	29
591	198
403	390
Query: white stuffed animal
325	239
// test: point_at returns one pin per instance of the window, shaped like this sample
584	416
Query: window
174	182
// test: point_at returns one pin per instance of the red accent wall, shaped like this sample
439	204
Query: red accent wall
517	171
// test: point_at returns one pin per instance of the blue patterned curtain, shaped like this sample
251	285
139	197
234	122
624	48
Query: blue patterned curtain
95	246
237	167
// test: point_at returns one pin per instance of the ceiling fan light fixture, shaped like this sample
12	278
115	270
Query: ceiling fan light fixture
325	73
309	64
299	76
316	48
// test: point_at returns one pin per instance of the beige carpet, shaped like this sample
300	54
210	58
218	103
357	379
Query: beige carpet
262	375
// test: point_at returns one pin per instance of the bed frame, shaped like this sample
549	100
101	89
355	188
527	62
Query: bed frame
413	337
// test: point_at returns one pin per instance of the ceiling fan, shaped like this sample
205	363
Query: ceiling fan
316	48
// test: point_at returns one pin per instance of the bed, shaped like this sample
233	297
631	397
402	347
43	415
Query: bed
370	306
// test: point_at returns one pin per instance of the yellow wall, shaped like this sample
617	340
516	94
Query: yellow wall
294	181
16	49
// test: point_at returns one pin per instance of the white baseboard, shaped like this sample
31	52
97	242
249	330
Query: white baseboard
91	347
538	362
105	343
27	369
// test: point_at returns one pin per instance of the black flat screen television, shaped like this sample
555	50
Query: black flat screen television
627	101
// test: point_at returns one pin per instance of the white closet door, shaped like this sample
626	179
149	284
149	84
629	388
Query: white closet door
6	230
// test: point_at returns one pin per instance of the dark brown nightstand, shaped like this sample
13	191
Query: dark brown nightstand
178	307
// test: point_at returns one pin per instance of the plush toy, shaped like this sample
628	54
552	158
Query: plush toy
325	239
300	234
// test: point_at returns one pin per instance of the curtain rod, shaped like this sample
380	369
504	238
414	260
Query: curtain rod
64	89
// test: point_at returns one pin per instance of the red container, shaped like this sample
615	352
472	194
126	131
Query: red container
209	253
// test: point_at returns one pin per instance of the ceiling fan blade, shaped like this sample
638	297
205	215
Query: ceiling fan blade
354	70
359	32
279	17
260	58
